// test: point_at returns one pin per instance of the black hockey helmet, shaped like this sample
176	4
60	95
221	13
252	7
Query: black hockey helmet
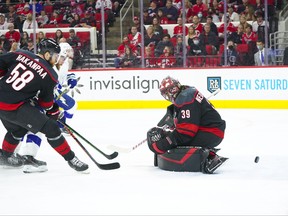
48	45
170	88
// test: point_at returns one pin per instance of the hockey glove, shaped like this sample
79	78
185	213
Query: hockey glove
53	112
72	80
159	141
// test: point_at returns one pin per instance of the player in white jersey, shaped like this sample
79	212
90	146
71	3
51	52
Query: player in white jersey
32	142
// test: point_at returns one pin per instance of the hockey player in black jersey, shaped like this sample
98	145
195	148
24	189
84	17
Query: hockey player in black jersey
25	76
191	121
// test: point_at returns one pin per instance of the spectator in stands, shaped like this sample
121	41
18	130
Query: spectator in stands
24	39
259	25
233	16
29	46
19	7
3	23
212	13
158	30
197	25
29	24
190	36
48	2
236	37
230	27
11	16
188	11
163	19
146	18
55	18
58	35
209	38
249	35
40	36
150	38
76	21
12	35
153	9
4	44
121	50
76	8
166	59
135	37
217	8
178	29
88	20
259	57
196	53
26	10
259	7
162	44
117	5
170	11
42	19
249	13
232	55
196	47
242	7
90	6
137	23
179	50
149	58
129	59
209	20
75	43
243	21
200	9
14	47
107	9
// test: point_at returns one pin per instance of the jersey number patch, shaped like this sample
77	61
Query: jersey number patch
19	77
185	114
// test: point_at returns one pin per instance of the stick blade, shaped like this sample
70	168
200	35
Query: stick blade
112	156
119	149
110	166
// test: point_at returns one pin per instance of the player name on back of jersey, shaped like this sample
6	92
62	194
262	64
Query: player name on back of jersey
33	65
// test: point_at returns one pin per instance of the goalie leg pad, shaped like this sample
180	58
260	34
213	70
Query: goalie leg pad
183	159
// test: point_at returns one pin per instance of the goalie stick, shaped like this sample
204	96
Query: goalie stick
109	166
129	149
108	156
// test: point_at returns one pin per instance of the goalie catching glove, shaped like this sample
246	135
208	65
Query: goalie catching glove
160	141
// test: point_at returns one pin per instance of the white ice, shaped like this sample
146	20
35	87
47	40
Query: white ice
239	187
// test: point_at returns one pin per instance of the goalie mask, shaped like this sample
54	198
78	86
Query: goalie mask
170	88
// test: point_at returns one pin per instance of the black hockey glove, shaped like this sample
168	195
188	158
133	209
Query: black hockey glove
159	141
53	112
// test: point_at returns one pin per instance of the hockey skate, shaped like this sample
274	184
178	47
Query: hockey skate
10	161
213	162
32	165
78	165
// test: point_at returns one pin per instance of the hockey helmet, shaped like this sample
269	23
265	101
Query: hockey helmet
48	45
170	88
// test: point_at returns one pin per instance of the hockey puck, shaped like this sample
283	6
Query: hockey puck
256	160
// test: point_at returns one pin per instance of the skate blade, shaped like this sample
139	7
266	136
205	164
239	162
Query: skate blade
84	172
33	169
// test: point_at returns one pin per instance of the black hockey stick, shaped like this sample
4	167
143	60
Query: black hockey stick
111	156
109	166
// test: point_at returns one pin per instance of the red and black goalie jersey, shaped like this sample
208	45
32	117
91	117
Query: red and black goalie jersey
23	75
193	113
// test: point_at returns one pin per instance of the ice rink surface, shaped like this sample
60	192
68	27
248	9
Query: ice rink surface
239	187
